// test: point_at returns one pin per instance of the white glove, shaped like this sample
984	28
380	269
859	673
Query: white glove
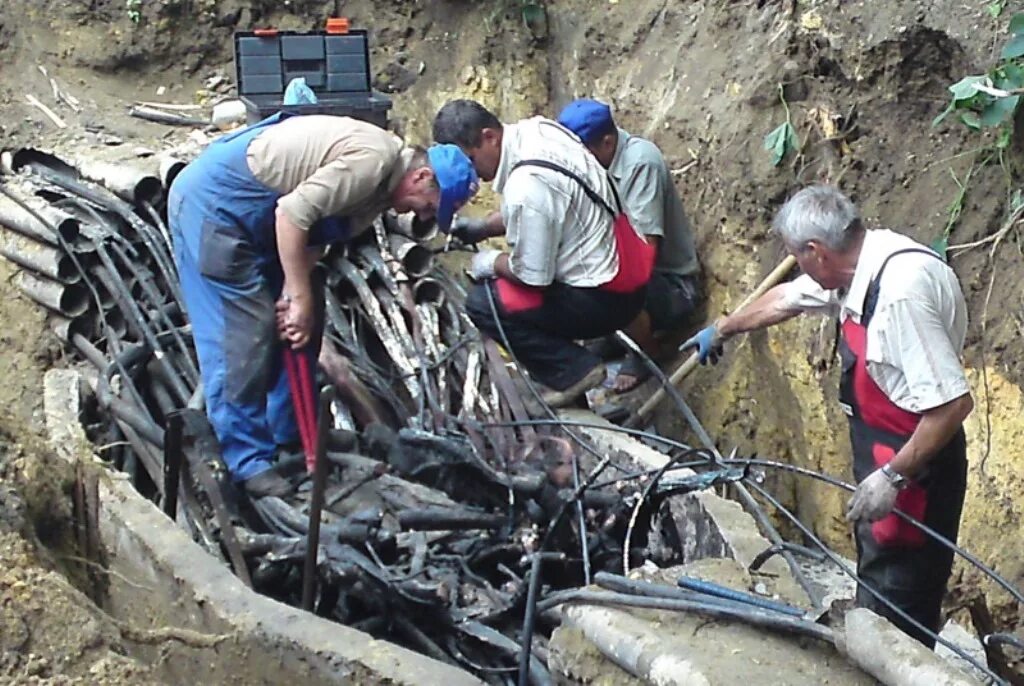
874	498
482	266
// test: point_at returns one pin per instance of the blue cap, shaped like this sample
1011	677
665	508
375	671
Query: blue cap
456	178
588	119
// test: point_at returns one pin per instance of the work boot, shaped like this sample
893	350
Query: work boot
341	440
267	483
566	397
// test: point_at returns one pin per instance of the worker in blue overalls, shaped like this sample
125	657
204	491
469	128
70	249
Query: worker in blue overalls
249	219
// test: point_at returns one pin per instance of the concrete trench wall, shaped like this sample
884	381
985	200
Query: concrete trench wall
158	577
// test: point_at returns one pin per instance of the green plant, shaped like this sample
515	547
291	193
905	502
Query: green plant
996	8
989	100
134	8
783	138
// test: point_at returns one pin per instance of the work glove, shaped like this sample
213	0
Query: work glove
874	498
469	230
707	343
482	266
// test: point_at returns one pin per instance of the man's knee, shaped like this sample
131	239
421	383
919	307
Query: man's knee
478	308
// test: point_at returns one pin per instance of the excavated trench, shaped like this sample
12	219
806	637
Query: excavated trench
677	74
447	519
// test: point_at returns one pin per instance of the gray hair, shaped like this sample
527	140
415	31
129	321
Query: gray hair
818	213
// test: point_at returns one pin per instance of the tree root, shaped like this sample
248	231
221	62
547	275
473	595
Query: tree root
188	637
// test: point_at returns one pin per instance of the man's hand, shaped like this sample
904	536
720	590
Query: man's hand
482	266
874	498
294	314
470	231
707	343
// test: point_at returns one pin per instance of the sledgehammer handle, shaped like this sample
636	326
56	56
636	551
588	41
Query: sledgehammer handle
691	363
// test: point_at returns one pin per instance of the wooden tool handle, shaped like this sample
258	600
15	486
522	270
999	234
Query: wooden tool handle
691	363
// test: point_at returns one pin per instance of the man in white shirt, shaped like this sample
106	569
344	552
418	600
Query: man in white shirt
903	321
571	272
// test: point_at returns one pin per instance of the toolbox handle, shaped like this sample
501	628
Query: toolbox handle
337	25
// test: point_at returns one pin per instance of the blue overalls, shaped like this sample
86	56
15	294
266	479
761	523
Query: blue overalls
222	226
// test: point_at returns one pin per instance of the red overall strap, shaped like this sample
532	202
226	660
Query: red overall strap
873	406
636	256
882	423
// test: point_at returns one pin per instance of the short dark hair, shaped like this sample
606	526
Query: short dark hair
461	121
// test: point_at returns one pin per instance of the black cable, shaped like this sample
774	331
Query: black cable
640	501
988	571
755	510
601	465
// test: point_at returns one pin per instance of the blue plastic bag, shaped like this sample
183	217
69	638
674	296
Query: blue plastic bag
298	93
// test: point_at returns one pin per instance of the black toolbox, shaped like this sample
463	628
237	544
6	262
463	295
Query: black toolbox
334	62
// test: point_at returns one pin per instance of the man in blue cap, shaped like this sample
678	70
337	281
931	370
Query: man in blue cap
655	209
249	220
575	267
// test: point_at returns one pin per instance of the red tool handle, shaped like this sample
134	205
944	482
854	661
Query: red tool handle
301	385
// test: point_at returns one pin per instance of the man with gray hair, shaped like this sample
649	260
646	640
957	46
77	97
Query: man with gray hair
903	321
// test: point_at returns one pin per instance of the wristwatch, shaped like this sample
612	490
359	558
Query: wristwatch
894	477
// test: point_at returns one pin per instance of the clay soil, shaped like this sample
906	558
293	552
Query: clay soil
702	79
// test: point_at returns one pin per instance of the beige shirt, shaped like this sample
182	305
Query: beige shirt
917	332
555	231
328	166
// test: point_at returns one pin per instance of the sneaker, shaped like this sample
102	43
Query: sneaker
566	397
267	483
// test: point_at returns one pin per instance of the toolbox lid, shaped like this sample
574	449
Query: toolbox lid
333	61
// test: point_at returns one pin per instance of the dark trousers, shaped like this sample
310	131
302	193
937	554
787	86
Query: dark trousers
542	338
914	577
671	300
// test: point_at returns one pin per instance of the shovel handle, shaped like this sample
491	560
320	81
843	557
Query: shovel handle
692	362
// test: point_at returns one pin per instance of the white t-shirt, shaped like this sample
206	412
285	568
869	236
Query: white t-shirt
917	332
555	231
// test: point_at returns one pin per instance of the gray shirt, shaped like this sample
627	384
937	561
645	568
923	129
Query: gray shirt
652	202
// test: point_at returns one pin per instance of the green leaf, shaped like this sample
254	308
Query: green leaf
1013	49
779	141
971	120
1016	201
999	110
1003	141
940	245
1013	76
792	141
1017	24
995	8
967	87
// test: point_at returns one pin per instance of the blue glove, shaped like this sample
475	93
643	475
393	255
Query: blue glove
707	344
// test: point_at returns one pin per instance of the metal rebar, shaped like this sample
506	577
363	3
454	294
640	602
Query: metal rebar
320	469
173	457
